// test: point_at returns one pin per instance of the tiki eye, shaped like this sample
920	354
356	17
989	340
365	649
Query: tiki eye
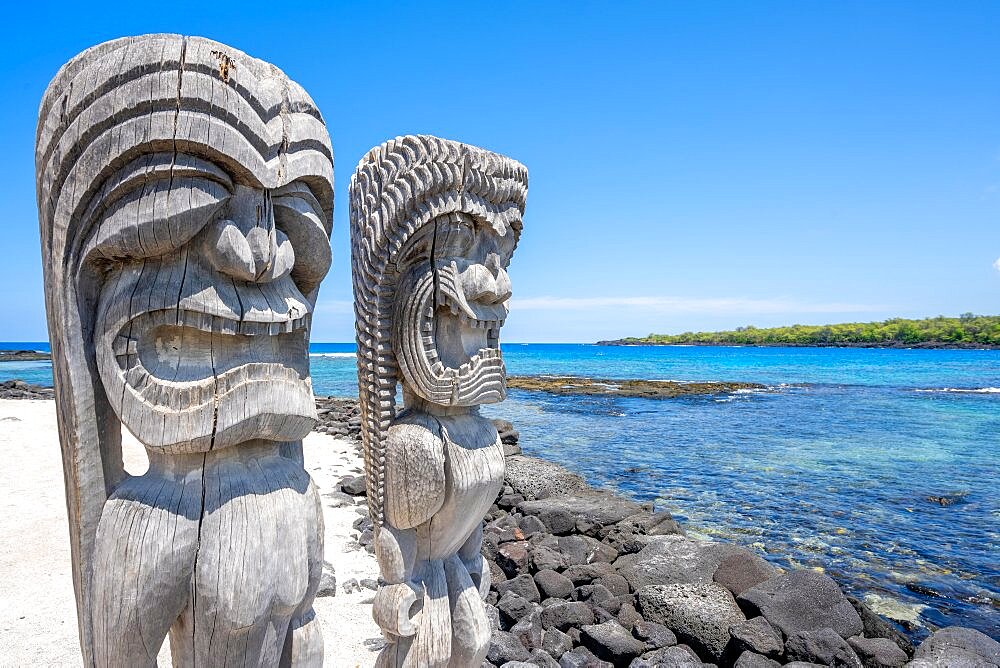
455	234
154	205
298	214
157	218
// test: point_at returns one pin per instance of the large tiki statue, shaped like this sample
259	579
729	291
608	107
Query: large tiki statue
433	227
185	202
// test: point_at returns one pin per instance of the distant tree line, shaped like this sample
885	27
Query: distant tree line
966	330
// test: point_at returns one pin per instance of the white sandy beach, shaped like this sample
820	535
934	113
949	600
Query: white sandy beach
37	612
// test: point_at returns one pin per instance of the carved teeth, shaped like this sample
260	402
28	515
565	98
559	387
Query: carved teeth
211	323
224	326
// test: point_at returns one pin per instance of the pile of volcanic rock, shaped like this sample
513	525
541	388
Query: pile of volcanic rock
338	416
18	389
581	577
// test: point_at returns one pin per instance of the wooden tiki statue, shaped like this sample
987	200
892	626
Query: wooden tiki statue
433	227
185	204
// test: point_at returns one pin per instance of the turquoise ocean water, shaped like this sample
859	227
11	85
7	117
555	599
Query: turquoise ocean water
833	467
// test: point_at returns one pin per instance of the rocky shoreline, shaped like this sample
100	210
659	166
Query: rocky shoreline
583	577
646	389
18	389
23	356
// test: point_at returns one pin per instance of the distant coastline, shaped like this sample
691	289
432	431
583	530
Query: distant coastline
896	345
968	331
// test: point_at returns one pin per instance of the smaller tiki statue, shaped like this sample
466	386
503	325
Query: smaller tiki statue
185	200
433	227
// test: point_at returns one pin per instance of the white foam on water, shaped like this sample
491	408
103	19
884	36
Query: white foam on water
962	390
895	609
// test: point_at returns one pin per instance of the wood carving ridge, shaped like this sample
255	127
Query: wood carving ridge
185	195
434	224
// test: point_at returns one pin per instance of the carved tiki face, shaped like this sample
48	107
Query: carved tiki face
206	245
449	312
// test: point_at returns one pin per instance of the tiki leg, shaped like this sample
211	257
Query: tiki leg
470	629
304	642
258	566
144	554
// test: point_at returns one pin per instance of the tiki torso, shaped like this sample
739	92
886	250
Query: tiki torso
474	473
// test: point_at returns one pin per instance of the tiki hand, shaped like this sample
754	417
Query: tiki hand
391	608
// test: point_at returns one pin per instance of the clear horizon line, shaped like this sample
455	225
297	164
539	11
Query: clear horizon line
737	305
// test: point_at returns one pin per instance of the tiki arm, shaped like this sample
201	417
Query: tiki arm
415	490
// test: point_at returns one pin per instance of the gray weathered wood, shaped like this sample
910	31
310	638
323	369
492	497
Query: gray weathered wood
185	204
433	226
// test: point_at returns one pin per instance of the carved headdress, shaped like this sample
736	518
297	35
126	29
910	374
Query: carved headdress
399	190
185	118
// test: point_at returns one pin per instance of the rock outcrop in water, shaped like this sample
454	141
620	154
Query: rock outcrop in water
23	356
645	389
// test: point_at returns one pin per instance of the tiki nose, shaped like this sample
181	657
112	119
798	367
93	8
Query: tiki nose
261	241
502	290
486	282
258	256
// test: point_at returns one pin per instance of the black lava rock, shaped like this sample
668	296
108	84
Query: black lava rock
504	647
758	636
556	643
823	646
565	615
523	585
802	601
353	485
877	652
553	584
741	571
611	642
513	607
654	635
877	627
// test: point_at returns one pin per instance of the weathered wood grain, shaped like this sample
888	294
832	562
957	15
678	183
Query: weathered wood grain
433	226
185	206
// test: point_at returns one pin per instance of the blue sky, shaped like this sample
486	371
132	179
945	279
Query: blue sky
694	165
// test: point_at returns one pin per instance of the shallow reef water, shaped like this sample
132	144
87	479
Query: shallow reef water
879	467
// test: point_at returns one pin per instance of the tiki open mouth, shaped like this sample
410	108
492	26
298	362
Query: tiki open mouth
467	333
476	325
180	346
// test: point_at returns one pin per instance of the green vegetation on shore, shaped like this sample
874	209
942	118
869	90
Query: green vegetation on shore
967	330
